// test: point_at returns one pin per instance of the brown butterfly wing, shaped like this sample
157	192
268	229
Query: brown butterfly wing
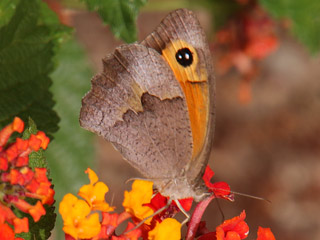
158	114
137	104
178	30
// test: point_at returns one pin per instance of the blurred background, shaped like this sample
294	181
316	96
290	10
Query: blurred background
267	133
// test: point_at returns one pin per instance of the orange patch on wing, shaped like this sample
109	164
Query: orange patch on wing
194	83
198	112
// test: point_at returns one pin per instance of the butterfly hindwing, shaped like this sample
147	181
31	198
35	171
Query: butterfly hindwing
181	30
137	104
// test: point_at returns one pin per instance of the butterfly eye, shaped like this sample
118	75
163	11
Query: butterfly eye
184	57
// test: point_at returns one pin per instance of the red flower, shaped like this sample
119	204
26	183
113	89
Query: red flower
16	126
19	181
246	39
21	225
44	139
132	235
233	229
159	201
265	234
6	233
108	225
220	189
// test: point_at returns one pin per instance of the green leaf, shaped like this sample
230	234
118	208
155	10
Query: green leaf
36	159
7	8
30	129
27	46
71	152
121	15
304	16
221	10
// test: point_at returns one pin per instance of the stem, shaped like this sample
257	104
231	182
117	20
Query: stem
196	217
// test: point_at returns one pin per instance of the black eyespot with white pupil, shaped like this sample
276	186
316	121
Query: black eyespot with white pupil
184	57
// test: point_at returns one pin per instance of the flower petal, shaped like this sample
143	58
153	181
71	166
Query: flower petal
236	226
134	200
169	228
6	232
89	226
220	189
16	126
265	234
37	211
94	193
77	220
21	225
92	176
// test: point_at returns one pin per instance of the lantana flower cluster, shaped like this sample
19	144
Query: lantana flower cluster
19	182
81	216
245	40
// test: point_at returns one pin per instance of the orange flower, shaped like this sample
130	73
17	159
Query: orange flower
134	200
169	228
78	221
233	229
94	193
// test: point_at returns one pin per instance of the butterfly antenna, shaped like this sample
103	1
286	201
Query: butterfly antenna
136	178
251	196
240	194
112	200
246	195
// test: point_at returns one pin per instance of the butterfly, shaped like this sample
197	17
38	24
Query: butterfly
154	101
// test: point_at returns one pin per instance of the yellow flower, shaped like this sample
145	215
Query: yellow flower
77	220
95	192
140	194
169	228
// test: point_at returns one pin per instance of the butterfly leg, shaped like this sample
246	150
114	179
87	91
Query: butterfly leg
183	211
151	216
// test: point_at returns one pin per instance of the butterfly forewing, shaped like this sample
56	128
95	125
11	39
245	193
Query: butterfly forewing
154	102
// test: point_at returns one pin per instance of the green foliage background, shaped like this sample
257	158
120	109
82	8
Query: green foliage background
26	51
71	152
35	43
304	18
120	15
